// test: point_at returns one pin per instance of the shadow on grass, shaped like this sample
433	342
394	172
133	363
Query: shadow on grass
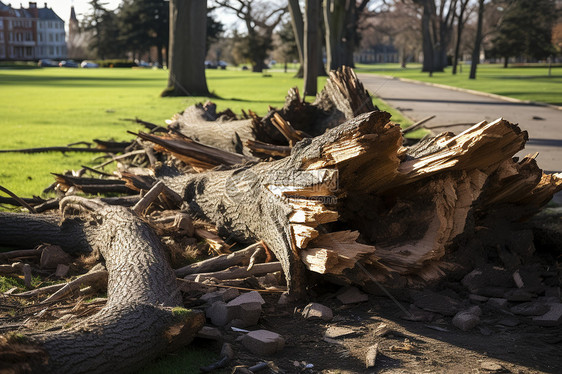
546	78
18	79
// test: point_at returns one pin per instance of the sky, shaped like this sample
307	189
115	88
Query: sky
62	7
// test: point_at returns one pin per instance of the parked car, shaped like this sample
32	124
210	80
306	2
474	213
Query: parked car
46	63
68	64
89	65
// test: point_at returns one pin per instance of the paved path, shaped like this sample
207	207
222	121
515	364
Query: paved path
418	101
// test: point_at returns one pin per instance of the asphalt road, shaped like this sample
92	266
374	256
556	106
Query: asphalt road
418	101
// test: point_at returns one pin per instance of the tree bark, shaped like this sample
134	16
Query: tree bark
460	26
187	49
477	41
311	48
139	321
298	29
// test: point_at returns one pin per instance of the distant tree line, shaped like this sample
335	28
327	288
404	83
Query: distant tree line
323	35
136	27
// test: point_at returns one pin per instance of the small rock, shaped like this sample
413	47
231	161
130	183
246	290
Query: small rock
62	270
245	315
466	320
497	292
371	356
219	313
221	295
284	299
52	256
418	315
477	298
551	318
437	303
487	276
352	295
248	297
263	342
530	309
509	322
486	331
491	366
210	333
335	332
316	310
519	295
497	303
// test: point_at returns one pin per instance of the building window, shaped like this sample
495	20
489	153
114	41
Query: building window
51	50
28	36
40	36
1	24
50	37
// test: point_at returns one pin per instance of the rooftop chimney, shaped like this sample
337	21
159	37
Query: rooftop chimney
32	5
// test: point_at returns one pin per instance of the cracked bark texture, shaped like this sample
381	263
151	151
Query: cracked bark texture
138	323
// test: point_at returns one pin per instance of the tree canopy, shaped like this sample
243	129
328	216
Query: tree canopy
526	29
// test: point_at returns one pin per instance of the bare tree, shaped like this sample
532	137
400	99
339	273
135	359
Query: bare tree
187	49
260	20
311	47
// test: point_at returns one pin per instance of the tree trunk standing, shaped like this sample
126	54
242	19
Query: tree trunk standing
298	29
505	62
460	26
477	41
334	19
427	40
311	48
188	20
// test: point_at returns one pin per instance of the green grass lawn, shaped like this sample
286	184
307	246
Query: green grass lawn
55	107
520	82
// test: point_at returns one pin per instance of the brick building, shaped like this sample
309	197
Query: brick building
31	34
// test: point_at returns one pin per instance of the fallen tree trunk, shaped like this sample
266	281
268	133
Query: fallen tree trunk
409	205
141	319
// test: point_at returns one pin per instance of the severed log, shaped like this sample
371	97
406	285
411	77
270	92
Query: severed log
241	257
141	318
409	205
237	272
